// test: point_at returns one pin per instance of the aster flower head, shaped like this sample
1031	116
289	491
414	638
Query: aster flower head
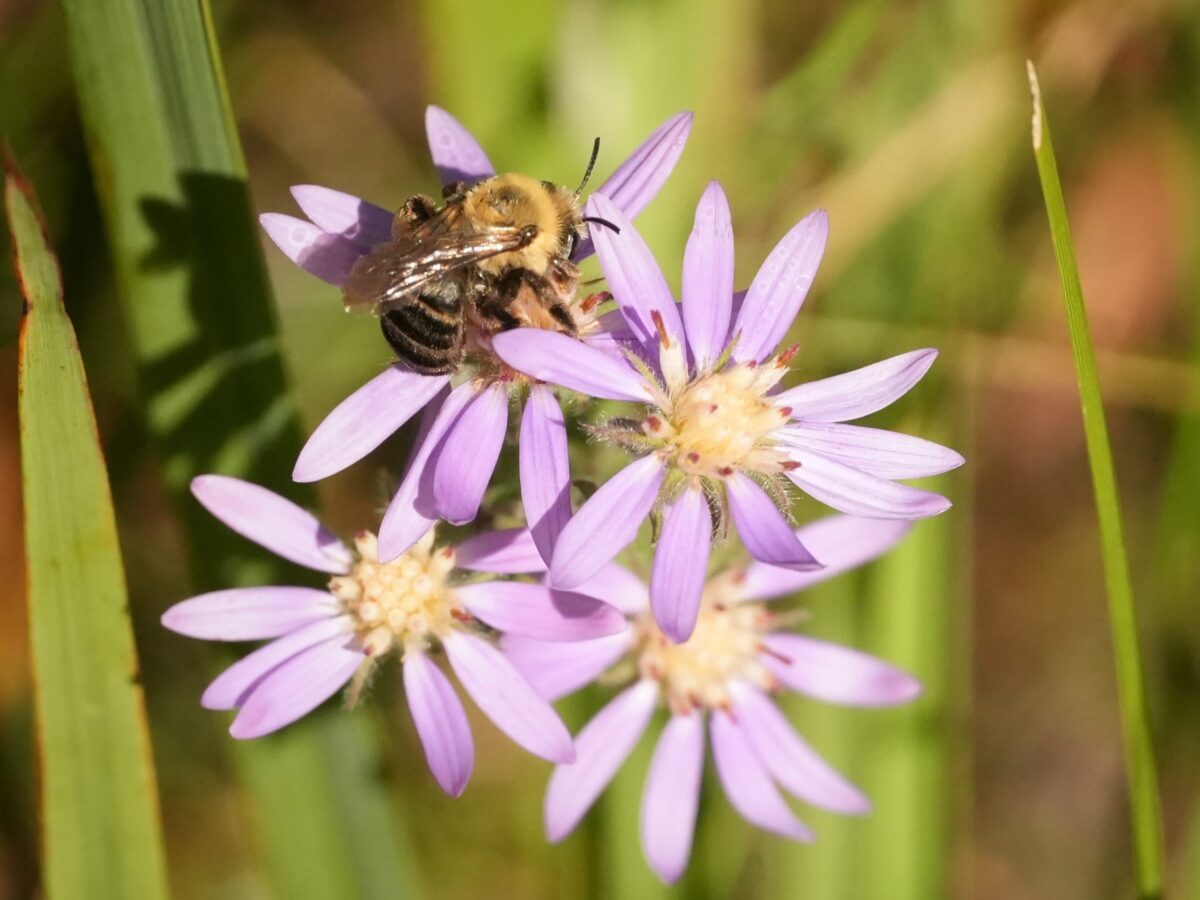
427	600
464	428
717	440
720	680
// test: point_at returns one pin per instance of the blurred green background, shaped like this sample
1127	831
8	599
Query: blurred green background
909	122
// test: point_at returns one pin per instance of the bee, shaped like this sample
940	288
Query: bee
495	255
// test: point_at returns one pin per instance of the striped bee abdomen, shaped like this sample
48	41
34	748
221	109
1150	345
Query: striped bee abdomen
427	333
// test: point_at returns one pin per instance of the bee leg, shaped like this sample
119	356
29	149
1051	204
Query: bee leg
416	210
453	190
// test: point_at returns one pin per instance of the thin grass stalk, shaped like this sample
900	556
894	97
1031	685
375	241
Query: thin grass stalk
1145	814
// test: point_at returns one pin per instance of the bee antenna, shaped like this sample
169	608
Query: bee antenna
599	221
591	162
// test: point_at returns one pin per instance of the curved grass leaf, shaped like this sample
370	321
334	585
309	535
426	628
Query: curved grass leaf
99	800
1146	818
169	170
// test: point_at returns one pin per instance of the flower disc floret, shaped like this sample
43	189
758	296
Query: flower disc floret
724	649
722	421
405	602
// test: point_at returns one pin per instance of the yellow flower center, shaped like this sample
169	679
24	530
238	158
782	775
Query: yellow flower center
724	648
404	602
722	422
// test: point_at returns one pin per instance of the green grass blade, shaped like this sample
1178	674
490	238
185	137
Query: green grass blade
909	751
101	831
169	170
1139	751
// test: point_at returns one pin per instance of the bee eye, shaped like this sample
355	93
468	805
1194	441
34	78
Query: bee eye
572	243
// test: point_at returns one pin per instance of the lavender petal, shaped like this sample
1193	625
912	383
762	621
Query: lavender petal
607	523
671	797
534	611
249	614
638	179
600	749
885	454
507	699
555	669
328	256
230	689
633	275
779	288
296	688
467	459
789	759
762	528
545	469
857	493
457	156
681	565
836	674
562	360
842	543
619	587
747	783
410	514
509	551
364	420
708	278
441	723
853	395
344	214
272	522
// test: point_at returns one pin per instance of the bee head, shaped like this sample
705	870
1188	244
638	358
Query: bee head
520	201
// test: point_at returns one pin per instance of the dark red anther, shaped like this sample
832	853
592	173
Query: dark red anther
790	465
593	300
693	457
784	359
725	471
663	337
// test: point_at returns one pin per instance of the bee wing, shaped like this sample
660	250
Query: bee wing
394	272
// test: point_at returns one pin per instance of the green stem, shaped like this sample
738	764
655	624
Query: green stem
1139	751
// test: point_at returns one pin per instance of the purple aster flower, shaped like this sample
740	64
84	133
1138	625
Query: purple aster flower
463	429
718	439
430	598
722	678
